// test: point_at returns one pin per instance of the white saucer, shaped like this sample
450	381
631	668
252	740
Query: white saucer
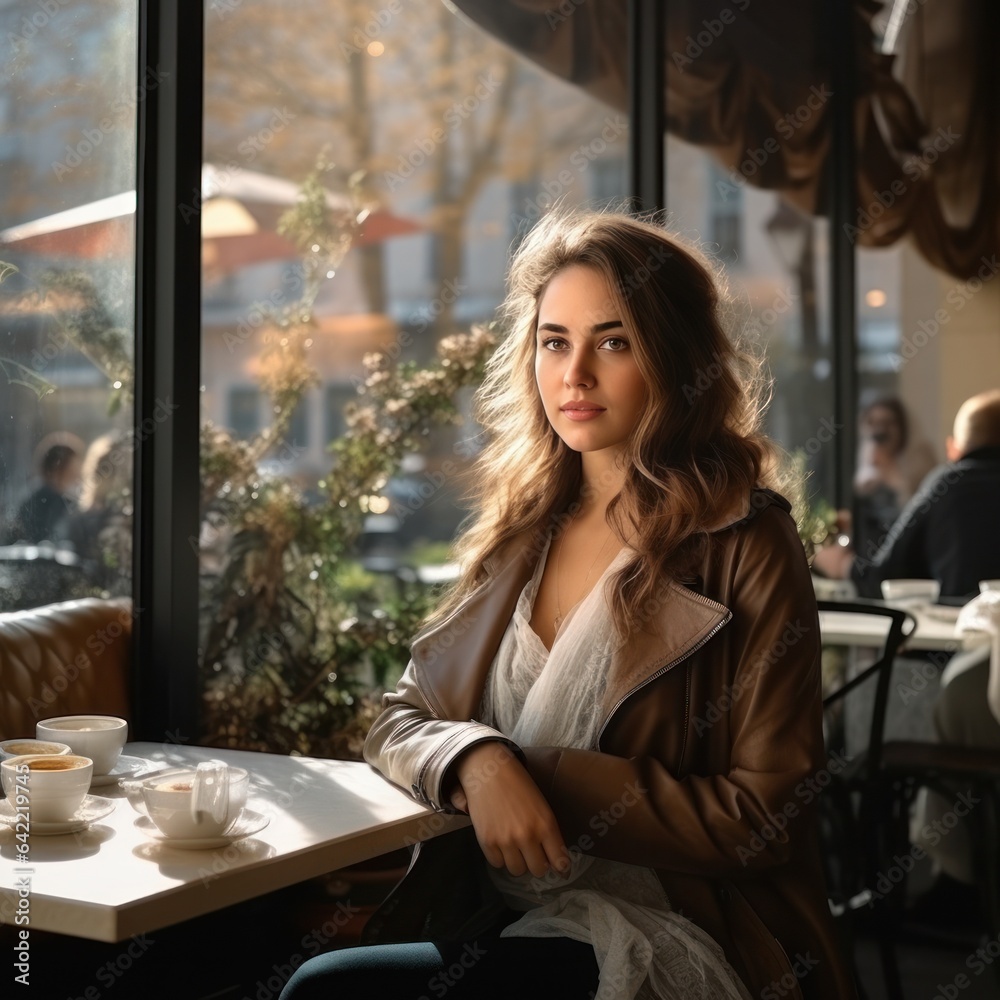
247	825
127	767
91	809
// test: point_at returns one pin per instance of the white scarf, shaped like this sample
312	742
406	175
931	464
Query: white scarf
541	698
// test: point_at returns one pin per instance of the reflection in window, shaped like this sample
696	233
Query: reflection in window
67	202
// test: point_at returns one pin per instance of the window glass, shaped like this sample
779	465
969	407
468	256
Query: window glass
67	203
331	520
775	259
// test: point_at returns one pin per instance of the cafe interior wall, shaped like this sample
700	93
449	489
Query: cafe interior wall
949	342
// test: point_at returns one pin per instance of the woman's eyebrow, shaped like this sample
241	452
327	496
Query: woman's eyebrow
611	324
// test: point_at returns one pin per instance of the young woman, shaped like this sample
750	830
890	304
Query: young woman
890	468
623	689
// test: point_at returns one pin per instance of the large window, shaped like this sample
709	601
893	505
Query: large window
365	171
67	201
448	147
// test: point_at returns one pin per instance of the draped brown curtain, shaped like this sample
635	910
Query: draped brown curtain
749	80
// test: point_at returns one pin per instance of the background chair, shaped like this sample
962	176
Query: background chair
907	767
64	659
866	812
850	813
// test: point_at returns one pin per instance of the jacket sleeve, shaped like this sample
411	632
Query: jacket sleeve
414	748
744	818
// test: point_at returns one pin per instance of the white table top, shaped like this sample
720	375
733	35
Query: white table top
932	632
111	881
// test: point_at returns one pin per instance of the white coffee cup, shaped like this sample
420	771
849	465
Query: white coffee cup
99	737
911	592
191	802
26	745
46	788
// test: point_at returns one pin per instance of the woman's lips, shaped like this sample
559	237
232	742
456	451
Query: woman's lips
582	411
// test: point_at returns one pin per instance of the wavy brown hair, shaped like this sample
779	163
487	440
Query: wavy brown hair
695	455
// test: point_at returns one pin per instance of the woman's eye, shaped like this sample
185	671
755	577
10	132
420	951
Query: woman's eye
552	343
616	343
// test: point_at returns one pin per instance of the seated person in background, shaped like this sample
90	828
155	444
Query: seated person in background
41	516
101	531
950	529
891	465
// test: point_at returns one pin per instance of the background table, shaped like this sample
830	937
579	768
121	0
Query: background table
841	628
111	881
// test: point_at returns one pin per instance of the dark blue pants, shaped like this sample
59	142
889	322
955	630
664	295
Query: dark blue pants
490	968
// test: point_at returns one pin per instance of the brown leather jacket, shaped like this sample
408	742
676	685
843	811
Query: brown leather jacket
709	760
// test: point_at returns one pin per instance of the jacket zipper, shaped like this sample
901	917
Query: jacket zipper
662	670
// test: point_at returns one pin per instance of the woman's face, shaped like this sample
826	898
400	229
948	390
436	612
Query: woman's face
881	425
587	376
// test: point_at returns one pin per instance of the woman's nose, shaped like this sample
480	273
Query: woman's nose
578	371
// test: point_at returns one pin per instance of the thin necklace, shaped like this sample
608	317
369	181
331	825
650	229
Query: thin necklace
558	620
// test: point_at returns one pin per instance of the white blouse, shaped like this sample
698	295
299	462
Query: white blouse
539	697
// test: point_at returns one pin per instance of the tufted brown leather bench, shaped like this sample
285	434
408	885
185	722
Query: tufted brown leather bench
64	659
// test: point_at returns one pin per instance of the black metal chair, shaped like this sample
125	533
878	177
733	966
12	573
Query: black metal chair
851	813
867	810
947	769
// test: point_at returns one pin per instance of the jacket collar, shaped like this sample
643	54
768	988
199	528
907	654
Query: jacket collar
454	657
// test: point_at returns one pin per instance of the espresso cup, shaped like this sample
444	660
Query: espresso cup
46	788
191	802
99	737
21	747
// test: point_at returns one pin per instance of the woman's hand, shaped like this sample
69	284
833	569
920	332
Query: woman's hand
514	825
